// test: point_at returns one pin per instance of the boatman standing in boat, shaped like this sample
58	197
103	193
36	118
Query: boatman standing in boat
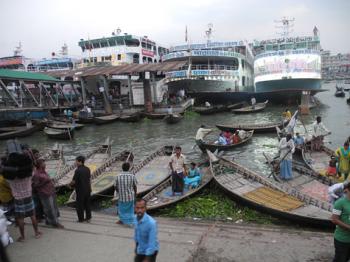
319	132
253	101
287	149
202	132
126	188
82	184
178	171
341	218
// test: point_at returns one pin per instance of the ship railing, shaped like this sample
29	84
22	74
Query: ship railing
213	67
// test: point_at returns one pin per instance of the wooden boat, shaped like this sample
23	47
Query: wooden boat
339	93
249	109
280	200
54	160
93	160
161	196
135	117
208	110
318	161
236	105
63	125
258	128
173	118
103	178
213	147
63	134
19	131
152	170
153	115
101	120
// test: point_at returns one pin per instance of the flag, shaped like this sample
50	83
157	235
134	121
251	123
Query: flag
186	34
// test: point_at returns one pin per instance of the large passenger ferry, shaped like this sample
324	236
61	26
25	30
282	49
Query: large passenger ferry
217	72
287	66
120	49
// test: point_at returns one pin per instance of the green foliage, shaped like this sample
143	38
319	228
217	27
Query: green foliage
146	120
106	203
63	198
213	204
191	114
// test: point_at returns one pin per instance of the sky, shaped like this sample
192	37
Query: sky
43	26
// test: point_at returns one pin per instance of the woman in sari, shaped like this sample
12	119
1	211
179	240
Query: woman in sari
193	179
343	157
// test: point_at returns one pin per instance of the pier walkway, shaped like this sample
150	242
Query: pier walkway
102	240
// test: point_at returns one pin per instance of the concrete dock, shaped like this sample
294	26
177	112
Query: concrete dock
102	240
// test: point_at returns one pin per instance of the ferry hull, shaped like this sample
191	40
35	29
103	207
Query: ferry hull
289	85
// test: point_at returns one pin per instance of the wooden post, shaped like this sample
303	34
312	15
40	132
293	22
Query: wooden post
304	105
147	92
83	90
131	96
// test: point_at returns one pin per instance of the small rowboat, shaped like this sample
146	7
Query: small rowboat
236	106
280	200
63	134
101	120
213	147
93	160
103	178
204	110
18	131
258	128
173	118
153	115
249	109
130	118
64	125
161	196
318	161
152	170
339	92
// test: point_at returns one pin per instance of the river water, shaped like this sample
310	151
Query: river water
146	136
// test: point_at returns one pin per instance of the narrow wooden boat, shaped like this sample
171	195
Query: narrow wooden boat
93	160
63	125
135	117
204	110
211	146
249	109
101	120
339	93
103	178
304	179
161	196
18	131
62	134
173	118
236	106
318	161
86	120
54	160
280	200
152	170
258	128
153	115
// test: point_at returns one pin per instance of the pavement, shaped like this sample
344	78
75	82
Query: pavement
190	241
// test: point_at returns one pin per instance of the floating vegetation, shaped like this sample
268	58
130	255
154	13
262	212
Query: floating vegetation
191	114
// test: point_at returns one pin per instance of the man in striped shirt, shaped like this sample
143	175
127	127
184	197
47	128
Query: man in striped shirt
126	188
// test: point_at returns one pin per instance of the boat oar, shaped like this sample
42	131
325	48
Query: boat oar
70	136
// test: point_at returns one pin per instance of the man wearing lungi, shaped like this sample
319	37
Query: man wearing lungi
178	171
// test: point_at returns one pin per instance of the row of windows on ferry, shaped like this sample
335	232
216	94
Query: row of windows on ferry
276	47
108	59
104	44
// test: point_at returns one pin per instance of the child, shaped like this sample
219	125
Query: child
332	168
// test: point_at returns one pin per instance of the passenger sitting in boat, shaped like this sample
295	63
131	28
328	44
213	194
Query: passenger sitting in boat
298	140
193	179
207	104
332	167
242	134
227	135
169	110
287	115
253	101
222	140
336	191
235	138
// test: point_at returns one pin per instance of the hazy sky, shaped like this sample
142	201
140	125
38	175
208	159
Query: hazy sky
44	25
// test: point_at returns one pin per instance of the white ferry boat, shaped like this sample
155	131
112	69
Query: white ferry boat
217	72
120	49
287	66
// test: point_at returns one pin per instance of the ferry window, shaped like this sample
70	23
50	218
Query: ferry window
275	47
96	45
243	80
144	59
112	42
104	44
119	57
143	44
242	64
135	58
149	60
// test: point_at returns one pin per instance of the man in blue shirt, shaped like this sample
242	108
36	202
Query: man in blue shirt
299	140
147	245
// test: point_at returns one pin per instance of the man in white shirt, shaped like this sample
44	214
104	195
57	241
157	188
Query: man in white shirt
178	171
207	104
169	110
319	131
202	132
335	192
